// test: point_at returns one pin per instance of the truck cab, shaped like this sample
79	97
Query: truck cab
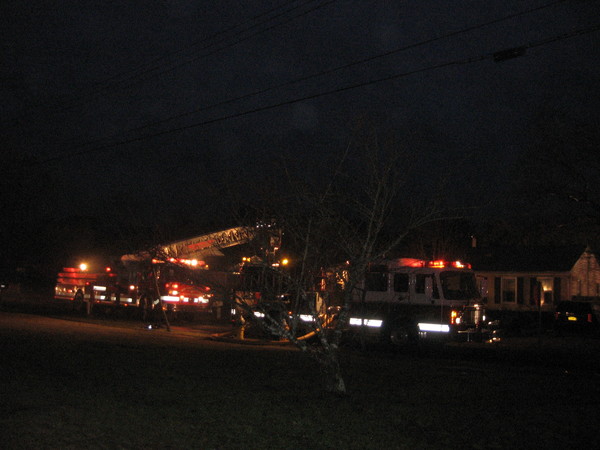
410	299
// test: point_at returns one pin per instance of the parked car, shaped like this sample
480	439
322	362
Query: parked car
582	316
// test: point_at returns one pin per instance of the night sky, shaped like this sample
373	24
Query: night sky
142	108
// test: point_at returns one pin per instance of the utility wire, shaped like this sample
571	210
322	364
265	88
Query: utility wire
108	84
242	39
210	53
560	37
352	64
328	71
144	67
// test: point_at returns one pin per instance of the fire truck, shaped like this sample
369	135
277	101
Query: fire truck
175	277
406	299
86	283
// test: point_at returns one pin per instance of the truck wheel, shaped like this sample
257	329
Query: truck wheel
403	336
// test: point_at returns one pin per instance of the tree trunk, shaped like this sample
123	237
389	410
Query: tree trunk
334	378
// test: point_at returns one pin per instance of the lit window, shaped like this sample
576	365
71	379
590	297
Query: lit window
547	285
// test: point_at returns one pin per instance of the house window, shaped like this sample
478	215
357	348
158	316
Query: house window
509	290
497	290
547	285
534	291
520	289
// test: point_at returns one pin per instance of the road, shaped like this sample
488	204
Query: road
108	330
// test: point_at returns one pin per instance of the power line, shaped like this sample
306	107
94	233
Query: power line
332	70
462	61
149	67
144	68
212	52
354	63
242	39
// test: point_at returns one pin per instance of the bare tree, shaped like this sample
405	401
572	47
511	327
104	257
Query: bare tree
348	221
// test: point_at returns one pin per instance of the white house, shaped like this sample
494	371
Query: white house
527	280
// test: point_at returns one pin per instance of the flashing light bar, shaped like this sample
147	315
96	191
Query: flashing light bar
411	262
175	298
187	262
435	264
192	262
99	288
434	327
375	323
440	264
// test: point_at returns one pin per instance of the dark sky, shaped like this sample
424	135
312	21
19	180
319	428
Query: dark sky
81	78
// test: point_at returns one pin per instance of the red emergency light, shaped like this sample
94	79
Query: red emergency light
411	262
440	264
461	265
453	316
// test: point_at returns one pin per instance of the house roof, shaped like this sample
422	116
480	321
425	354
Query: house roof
525	259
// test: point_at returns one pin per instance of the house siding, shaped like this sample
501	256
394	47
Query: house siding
549	287
528	289
585	276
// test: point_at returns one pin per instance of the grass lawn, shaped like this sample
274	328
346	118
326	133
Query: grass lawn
135	389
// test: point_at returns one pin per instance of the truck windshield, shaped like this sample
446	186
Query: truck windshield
174	273
458	285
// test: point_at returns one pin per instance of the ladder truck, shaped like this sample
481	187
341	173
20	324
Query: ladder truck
177	275
172	276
